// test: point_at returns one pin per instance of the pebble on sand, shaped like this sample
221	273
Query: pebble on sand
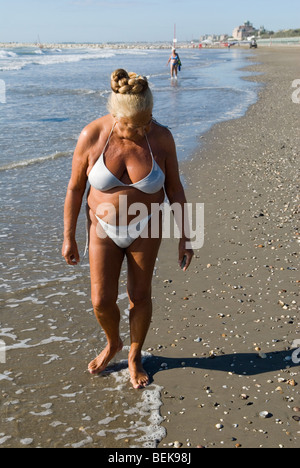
265	415
26	441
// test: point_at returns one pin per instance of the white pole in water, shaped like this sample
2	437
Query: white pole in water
174	40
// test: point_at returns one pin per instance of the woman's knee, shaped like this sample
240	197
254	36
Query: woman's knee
139	297
103	302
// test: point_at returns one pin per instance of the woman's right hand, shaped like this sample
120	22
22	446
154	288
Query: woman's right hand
70	252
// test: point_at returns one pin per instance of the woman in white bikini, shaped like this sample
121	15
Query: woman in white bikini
125	155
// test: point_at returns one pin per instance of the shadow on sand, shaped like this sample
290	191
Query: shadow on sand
240	364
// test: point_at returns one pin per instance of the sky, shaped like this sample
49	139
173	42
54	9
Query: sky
138	20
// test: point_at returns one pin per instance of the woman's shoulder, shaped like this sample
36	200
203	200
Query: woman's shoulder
163	136
161	130
97	126
92	131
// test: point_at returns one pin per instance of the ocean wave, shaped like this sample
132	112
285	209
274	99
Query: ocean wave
4	54
14	62
40	91
86	92
240	108
189	89
57	59
8	61
29	162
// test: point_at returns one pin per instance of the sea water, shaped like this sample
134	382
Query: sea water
46	318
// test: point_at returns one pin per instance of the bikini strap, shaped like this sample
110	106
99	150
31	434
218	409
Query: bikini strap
111	132
150	149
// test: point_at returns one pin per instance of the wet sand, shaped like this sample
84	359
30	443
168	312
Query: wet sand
222	333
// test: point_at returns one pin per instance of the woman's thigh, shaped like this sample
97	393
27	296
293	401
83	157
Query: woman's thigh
106	260
141	259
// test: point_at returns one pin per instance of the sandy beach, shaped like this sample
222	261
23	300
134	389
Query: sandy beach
222	333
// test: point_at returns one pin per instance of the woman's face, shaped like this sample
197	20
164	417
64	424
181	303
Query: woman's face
134	128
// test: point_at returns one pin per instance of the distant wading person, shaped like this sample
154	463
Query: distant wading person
123	154
174	61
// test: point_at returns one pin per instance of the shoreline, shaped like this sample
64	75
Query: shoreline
222	332
141	45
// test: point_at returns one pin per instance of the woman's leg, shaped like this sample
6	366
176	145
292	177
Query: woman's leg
141	257
172	70
106	259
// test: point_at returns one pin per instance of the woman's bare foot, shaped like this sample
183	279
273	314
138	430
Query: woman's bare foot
99	364
139	377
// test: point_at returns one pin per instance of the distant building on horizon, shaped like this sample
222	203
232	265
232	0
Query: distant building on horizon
243	32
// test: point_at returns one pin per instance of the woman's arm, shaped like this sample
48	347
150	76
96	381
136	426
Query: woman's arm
176	195
75	192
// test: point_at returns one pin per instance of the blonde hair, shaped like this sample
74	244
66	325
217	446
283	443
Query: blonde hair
130	94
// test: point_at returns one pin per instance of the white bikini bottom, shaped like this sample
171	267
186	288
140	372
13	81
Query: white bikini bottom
124	236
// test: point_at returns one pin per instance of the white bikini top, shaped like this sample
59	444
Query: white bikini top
102	179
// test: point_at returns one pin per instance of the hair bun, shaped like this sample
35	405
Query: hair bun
128	83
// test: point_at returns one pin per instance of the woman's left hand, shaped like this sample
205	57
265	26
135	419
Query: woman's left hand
185	255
